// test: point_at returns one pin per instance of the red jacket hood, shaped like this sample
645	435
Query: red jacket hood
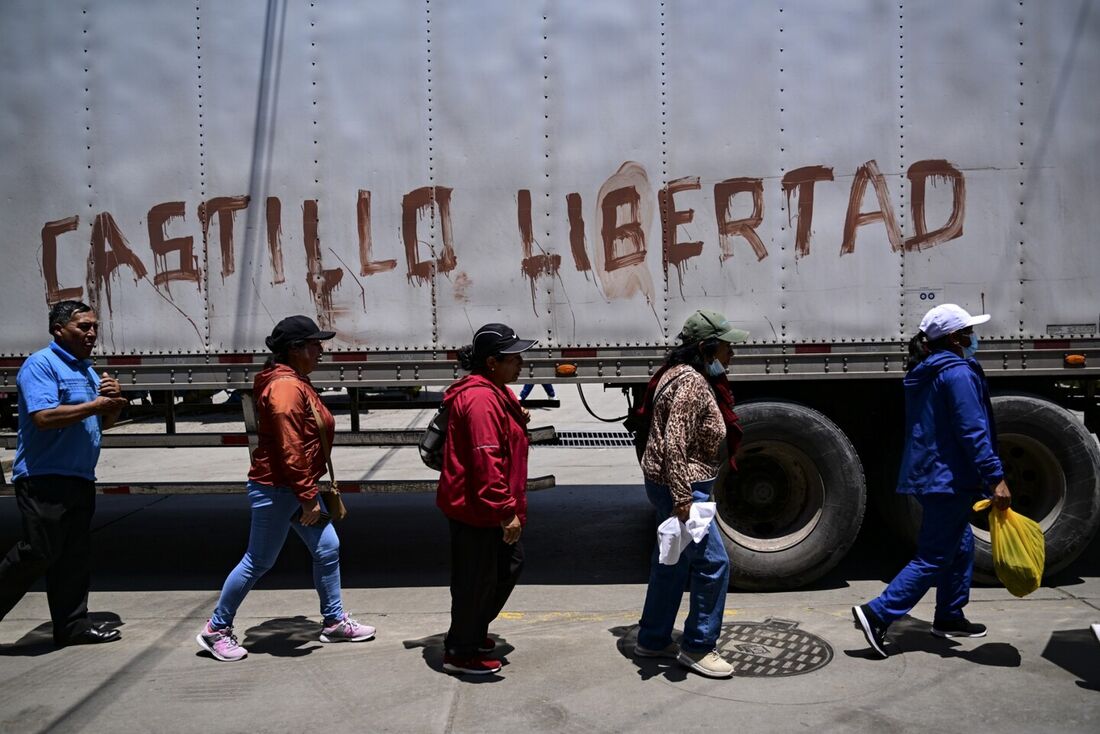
465	383
474	380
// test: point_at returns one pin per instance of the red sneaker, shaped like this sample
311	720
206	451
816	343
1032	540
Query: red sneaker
487	646
470	666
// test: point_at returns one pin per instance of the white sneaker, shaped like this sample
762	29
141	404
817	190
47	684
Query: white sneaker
709	664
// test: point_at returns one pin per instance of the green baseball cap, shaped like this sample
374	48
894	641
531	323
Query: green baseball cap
707	324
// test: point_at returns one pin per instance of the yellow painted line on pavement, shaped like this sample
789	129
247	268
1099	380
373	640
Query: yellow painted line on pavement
567	616
563	616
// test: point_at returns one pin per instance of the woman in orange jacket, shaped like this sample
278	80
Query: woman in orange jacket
282	487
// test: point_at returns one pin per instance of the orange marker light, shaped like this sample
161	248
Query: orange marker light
1075	360
565	370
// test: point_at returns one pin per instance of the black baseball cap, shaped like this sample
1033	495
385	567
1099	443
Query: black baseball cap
493	339
293	329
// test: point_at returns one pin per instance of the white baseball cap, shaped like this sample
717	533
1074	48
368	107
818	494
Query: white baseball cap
947	318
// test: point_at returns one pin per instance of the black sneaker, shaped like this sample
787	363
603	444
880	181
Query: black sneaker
961	627
873	628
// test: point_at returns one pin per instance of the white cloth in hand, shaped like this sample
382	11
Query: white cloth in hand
673	535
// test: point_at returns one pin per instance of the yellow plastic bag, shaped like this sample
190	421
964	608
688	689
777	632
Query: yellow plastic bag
1019	549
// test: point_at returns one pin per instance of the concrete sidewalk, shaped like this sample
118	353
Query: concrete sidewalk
569	668
566	634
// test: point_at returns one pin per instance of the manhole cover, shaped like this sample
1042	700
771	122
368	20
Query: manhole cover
774	648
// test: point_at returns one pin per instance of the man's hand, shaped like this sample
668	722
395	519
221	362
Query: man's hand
109	387
104	405
526	415
681	510
109	408
512	529
1002	498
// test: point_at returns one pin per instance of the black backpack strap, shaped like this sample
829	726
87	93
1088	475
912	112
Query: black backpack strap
661	390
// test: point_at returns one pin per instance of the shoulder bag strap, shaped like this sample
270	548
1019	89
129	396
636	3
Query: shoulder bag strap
324	441
657	395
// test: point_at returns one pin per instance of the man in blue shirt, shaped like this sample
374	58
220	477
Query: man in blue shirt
63	407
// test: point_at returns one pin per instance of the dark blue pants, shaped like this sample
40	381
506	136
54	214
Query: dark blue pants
945	559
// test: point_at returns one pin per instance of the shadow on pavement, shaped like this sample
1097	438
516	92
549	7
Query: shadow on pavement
283	637
587	535
39	641
910	635
431	648
1084	566
626	637
1077	652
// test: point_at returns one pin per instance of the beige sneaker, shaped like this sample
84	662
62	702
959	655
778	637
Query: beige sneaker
709	664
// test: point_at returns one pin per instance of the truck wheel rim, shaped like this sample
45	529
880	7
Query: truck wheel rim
1034	477
776	499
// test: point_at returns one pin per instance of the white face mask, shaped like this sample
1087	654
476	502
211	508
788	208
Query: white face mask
970	351
715	368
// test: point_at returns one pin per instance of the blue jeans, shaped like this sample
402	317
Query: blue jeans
945	558
273	510
703	569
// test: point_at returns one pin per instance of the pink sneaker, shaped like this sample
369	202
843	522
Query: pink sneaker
347	630
222	644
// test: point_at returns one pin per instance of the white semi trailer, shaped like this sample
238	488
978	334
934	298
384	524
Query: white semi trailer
589	172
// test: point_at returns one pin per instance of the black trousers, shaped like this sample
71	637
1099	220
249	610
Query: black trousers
484	570
57	519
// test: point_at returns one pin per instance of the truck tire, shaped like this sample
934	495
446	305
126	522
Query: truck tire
1052	467
796	503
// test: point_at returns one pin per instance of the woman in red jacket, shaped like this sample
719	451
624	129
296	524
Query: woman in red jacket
282	488
483	493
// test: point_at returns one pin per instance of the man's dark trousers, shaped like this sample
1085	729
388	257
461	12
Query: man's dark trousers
57	518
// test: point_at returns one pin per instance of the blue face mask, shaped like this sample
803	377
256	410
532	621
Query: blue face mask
971	350
715	368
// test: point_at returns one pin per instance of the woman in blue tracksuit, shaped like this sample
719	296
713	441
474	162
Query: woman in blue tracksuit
950	461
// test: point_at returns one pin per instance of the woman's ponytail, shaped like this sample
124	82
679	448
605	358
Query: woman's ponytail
918	350
466	357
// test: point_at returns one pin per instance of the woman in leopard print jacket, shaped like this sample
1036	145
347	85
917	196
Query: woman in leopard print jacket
692	416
